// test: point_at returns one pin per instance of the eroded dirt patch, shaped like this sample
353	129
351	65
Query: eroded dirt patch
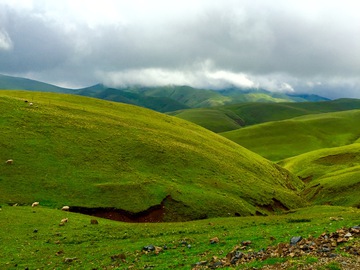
336	159
274	206
155	213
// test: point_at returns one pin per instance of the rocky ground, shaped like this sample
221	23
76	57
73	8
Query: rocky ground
341	248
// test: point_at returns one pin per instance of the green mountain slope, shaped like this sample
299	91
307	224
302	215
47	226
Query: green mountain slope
231	117
18	83
162	98
202	98
189	96
160	104
287	138
77	151
332	175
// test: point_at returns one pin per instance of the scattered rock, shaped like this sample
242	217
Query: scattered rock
214	240
336	218
183	243
294	240
158	250
94	221
322	247
69	260
202	263
121	257
149	248
246	243
60	252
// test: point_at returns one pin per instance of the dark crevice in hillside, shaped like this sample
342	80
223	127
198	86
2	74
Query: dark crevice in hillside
341	158
274	206
313	191
154	213
306	179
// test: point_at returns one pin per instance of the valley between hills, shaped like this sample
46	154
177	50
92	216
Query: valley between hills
193	186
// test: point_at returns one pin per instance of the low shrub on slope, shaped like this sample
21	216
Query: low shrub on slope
92	153
332	175
287	138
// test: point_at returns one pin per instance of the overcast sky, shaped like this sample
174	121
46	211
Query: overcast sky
280	45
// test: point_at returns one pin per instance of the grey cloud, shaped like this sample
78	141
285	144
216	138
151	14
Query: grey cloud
36	44
277	45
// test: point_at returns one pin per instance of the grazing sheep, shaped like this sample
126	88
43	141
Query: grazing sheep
35	204
30	104
9	161
64	220
65	208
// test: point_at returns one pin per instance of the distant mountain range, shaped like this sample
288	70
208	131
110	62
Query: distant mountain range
163	98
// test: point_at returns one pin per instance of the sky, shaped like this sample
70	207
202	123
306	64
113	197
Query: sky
298	46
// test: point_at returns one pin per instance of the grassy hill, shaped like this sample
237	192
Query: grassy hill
331	175
78	151
162	98
160	104
203	98
292	137
231	117
18	83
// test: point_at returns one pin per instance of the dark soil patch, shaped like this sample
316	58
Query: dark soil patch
276	205
155	213
306	179
336	159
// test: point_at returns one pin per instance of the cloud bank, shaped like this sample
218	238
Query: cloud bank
278	45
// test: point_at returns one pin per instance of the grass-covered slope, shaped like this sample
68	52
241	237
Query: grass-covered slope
332	175
32	238
214	119
231	117
77	151
160	104
18	83
287	138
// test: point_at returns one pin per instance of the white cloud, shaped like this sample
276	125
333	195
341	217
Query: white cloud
5	41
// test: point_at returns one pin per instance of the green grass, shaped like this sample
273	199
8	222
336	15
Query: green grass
72	150
287	138
32	237
332	175
231	117
211	118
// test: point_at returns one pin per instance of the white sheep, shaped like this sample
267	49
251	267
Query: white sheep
30	104
65	208
9	161
64	220
35	204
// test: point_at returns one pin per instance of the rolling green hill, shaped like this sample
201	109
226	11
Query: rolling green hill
160	104
231	117
332	175
203	98
18	83
162	98
292	137
78	151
